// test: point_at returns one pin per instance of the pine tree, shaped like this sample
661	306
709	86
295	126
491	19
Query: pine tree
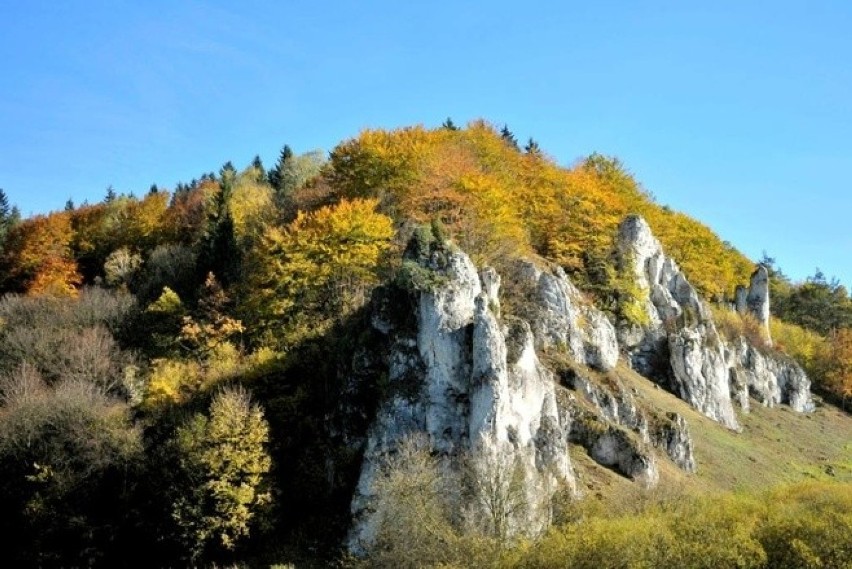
532	147
110	195
227	175
69	205
508	137
258	163
276	174
219	252
154	189
4	205
449	124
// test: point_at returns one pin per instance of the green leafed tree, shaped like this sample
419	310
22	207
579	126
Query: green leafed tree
224	463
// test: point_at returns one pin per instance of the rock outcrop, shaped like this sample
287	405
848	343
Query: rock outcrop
769	378
755	299
472	386
679	344
561	318
671	434
680	347
471	382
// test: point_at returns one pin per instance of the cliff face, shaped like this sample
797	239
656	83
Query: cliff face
480	391
679	325
681	348
475	384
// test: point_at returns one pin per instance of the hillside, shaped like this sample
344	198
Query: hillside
775	447
433	330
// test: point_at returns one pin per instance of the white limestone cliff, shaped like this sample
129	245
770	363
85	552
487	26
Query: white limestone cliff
481	391
472	383
678	323
680	346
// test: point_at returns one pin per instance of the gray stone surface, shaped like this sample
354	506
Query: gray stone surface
561	318
680	335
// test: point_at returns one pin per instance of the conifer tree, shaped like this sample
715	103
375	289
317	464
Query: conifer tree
6	216
110	195
532	147
258	163
219	252
449	124
276	174
69	205
508	137
153	189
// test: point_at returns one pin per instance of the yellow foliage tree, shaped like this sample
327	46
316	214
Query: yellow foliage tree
252	208
38	258
498	202
318	268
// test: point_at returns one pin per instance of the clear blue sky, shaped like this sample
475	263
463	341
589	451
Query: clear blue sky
738	113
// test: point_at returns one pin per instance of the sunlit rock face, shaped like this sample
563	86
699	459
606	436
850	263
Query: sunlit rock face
769	378
681	347
471	382
561	318
679	344
475	387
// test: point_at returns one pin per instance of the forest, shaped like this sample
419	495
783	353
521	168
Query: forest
176	367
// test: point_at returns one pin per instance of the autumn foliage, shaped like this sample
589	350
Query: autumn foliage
38	258
497	201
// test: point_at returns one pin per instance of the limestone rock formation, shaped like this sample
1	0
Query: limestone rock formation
671	433
757	299
681	348
472	385
769	378
680	343
471	381
561	318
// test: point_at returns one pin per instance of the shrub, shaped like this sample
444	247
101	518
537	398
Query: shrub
66	453
66	340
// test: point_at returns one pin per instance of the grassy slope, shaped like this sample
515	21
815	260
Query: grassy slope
776	446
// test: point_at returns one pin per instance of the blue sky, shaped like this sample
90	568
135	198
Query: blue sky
737	113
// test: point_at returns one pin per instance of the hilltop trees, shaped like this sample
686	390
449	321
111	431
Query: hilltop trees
276	173
317	268
37	257
474	178
7	217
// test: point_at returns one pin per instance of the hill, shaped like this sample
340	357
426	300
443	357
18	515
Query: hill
264	356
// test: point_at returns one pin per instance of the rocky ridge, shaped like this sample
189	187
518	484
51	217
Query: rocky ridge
516	390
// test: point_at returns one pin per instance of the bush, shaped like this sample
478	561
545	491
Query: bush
733	325
68	340
805	525
67	453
